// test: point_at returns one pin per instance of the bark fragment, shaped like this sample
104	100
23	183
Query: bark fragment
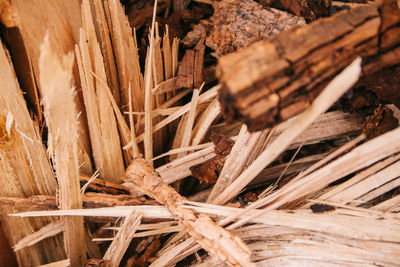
272	81
191	69
236	24
209	171
380	122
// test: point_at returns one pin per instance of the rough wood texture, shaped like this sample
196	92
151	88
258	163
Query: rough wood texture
190	71
221	244
209	171
236	24
272	81
309	9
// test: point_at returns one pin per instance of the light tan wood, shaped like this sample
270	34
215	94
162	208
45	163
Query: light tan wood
25	166
60	113
102	122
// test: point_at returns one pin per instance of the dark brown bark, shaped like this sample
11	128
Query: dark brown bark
209	171
309	9
191	70
272	81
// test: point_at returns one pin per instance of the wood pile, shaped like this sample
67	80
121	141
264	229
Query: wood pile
199	133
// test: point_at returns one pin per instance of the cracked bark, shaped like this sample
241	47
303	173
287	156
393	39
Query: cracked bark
272	81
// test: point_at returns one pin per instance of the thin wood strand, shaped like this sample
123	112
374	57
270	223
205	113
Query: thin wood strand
135	148
187	134
118	247
49	230
148	106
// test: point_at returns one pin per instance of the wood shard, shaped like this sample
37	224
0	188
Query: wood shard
220	243
118	247
299	62
59	109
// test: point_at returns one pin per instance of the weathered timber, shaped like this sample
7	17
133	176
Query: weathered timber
272	81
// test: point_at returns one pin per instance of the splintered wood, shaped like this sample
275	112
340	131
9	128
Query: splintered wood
221	244
25	168
101	120
117	249
272	81
35	19
60	113
294	185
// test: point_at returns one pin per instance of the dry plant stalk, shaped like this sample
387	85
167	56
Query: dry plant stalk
60	113
117	249
221	244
